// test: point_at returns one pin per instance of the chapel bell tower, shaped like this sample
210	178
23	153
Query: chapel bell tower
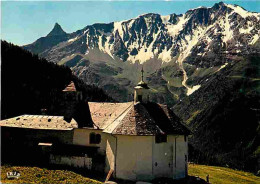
141	90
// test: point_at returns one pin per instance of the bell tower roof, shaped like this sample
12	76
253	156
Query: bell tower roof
140	93
142	84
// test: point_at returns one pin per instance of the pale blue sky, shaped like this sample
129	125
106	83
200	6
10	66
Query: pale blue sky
24	22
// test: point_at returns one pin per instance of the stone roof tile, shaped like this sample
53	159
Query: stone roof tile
39	122
141	119
103	114
137	122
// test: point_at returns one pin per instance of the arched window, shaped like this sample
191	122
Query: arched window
94	138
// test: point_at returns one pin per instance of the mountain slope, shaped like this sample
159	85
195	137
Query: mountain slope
177	51
56	36
30	83
224	116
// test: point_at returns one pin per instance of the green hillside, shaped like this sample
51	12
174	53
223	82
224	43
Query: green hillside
217	175
222	175
30	83
38	175
224	117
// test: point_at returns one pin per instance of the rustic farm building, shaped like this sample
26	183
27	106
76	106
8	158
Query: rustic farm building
137	140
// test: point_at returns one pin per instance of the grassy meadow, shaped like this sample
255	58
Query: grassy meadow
219	175
39	175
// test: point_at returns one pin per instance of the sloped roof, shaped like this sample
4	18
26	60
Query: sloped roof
103	114
70	87
136	119
39	122
166	119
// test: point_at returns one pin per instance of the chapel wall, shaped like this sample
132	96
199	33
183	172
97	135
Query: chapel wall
134	157
111	147
81	137
181	161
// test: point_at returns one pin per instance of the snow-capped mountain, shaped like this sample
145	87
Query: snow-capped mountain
179	52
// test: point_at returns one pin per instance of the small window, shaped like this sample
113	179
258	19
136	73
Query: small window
98	138
94	138
160	138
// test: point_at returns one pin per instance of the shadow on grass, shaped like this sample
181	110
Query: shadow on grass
81	171
187	180
101	176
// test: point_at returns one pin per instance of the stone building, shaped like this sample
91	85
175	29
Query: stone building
137	140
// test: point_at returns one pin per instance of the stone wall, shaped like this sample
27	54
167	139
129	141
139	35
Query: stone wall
71	161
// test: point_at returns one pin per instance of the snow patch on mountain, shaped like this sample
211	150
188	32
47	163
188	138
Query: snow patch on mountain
142	56
165	19
193	89
192	40
242	12
174	29
246	31
73	39
118	27
107	49
145	53
86	31
199	8
221	67
165	55
254	40
100	43
228	33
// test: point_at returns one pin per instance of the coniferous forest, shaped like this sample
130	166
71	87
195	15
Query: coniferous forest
30	83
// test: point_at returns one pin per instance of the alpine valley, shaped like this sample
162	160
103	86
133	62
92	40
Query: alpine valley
178	52
204	64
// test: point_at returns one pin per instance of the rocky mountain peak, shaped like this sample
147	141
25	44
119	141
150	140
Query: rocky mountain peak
57	30
190	43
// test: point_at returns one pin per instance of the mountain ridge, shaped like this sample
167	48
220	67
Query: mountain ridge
57	30
190	41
